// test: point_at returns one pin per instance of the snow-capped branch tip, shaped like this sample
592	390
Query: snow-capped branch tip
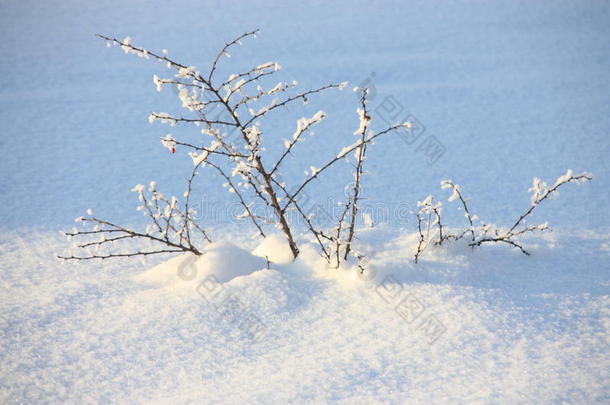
457	194
540	190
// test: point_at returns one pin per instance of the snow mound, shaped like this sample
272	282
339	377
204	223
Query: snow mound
221	261
275	248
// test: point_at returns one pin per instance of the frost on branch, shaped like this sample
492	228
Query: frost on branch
169	143
337	244
486	233
170	230
429	217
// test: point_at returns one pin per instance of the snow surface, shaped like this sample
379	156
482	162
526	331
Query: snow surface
512	329
511	91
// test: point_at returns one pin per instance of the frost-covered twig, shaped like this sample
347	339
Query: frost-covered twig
116	255
318	234
186	225
421	237
433	211
336	239
224	50
172	120
457	194
302	96
168	229
428	207
481	235
184	71
207	149
540	192
166	244
362	130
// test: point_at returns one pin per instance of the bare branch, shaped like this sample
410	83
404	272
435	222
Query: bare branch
337	238
365	120
209	150
187	195
317	233
291	99
223	51
421	238
115	255
172	119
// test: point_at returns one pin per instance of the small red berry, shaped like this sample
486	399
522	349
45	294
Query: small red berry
172	149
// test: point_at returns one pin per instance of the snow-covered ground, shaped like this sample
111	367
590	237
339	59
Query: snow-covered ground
504	328
511	91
